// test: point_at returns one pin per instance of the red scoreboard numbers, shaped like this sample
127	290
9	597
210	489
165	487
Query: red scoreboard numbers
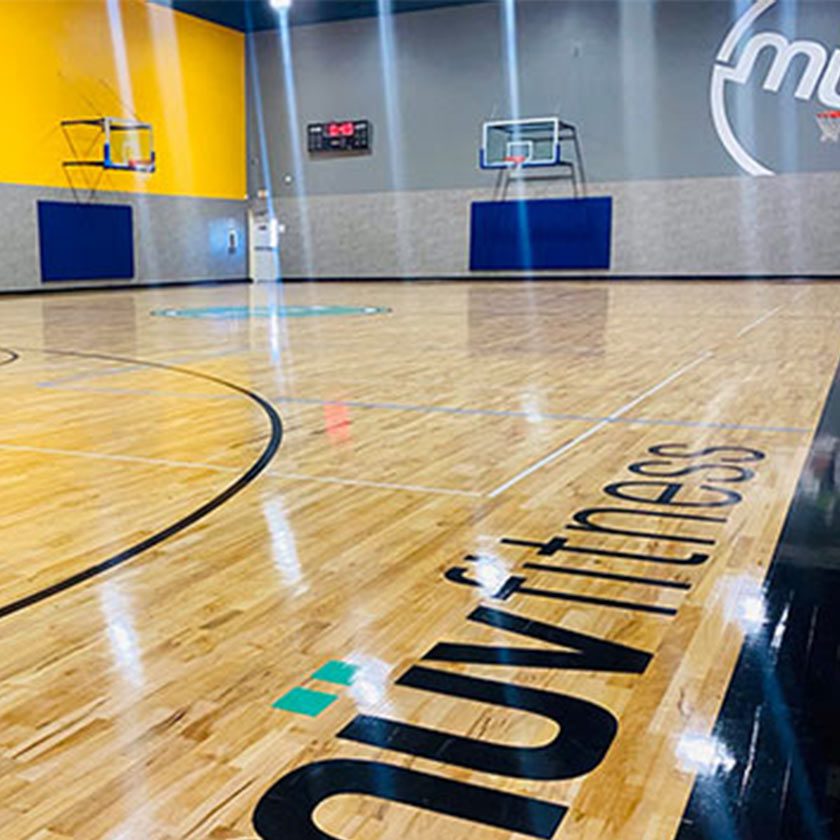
344	129
338	136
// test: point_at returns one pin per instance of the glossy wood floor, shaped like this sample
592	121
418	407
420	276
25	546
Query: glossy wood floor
137	679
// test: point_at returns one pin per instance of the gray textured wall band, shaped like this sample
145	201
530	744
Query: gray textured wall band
175	238
694	227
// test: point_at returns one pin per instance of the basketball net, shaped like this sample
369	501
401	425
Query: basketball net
829	122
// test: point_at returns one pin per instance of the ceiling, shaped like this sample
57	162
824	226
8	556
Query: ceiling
256	15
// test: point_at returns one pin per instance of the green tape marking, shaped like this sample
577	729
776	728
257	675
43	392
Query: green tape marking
339	673
305	701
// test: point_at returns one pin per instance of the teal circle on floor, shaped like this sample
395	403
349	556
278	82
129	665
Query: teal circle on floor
242	313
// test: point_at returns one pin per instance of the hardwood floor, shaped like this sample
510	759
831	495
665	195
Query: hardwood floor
167	575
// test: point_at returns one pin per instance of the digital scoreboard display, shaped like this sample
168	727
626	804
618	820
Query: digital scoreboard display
338	136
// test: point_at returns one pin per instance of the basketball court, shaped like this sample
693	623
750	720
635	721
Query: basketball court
357	484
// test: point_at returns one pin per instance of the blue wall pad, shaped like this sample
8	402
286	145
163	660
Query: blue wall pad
541	233
85	241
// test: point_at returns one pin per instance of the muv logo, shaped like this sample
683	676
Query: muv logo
819	75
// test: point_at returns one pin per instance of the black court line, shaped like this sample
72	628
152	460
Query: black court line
123	287
599	277
436	279
775	773
185	522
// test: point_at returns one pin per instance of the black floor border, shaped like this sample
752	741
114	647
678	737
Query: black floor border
776	735
577	278
419	279
61	289
171	530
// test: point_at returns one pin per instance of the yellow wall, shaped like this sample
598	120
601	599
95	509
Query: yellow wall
58	60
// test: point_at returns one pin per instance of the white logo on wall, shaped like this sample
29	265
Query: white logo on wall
820	77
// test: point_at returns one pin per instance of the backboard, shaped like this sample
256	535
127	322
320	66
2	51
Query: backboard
525	142
111	143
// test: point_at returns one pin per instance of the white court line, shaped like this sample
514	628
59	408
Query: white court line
164	462
553	456
101	456
413	488
758	321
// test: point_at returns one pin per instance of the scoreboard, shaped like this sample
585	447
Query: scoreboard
338	136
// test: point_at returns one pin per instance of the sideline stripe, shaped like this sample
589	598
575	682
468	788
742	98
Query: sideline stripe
442	409
585	418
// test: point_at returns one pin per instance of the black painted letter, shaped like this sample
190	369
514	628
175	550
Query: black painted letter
285	810
584	519
669	494
587	653
586	730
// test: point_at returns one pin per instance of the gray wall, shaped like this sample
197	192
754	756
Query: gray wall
175	238
633	75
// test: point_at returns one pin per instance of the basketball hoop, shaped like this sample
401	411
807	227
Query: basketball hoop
515	161
830	126
141	165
